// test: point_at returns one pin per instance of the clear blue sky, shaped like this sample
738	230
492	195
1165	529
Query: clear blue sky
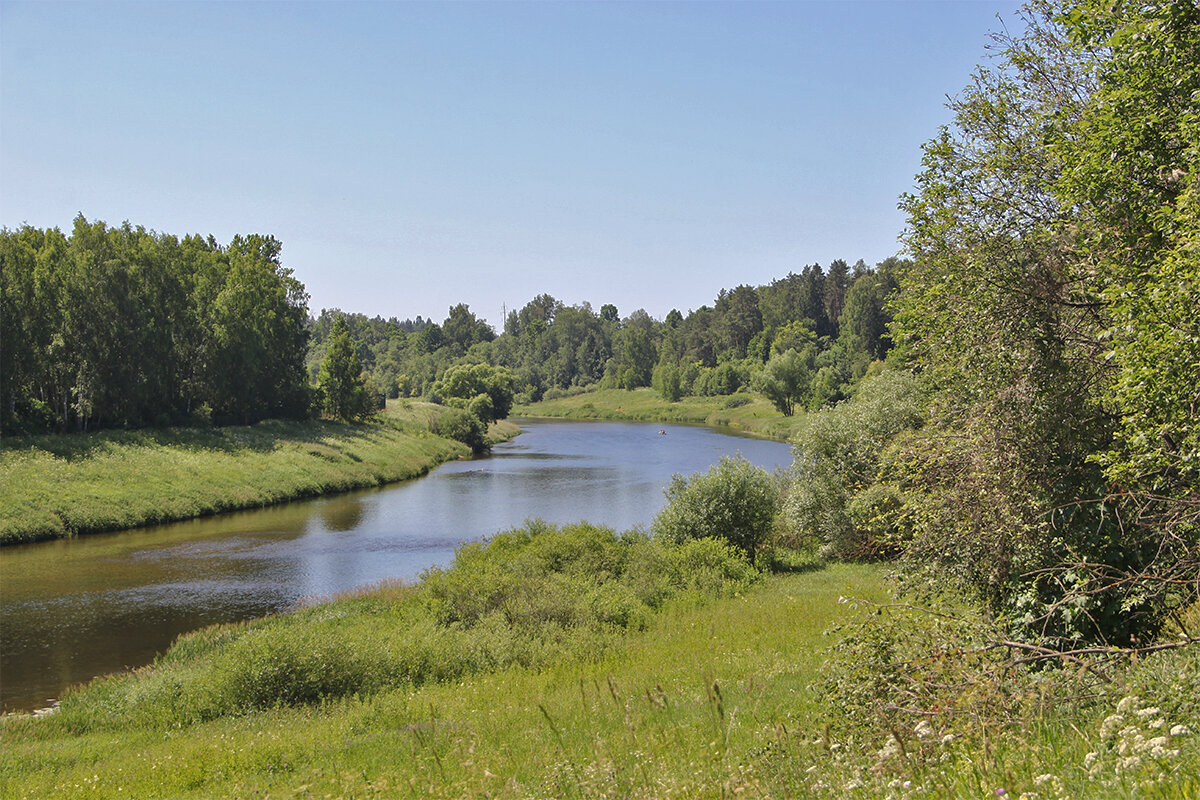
415	155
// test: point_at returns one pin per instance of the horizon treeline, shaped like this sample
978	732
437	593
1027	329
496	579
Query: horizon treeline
835	319
124	327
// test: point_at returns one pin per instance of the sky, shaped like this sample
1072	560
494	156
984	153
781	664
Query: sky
412	156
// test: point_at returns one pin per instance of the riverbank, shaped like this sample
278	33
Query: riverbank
555	663
742	412
59	486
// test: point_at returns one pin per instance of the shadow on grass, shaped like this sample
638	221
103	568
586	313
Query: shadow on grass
261	437
789	562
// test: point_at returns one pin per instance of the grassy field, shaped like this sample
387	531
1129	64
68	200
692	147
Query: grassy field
56	486
709	695
748	413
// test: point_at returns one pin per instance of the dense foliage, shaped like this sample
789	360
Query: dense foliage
734	502
836	319
340	388
125	327
1054	307
836	500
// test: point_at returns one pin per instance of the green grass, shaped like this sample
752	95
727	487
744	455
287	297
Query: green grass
62	485
751	413
709	691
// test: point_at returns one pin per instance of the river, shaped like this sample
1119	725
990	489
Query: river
77	608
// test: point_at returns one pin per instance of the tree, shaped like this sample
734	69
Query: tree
737	319
733	501
1052	303
343	393
785	379
462	329
259	323
461	384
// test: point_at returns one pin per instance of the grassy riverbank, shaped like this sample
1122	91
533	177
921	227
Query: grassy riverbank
747	413
564	663
55	486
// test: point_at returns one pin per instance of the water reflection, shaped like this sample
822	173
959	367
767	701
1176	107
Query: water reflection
73	609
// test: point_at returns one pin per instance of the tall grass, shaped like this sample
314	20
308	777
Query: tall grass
528	690
53	486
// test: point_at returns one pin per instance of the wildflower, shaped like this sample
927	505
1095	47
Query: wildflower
1180	730
1147	712
1045	778
923	730
1001	792
1127	703
1109	725
948	738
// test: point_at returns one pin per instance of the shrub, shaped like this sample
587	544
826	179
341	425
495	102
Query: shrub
835	499
733	501
462	426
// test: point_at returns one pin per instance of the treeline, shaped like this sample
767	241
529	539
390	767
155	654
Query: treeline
126	327
835	320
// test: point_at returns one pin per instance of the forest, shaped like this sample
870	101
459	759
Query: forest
124	327
835	319
121	327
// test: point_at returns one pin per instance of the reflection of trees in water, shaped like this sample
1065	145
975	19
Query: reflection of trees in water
343	514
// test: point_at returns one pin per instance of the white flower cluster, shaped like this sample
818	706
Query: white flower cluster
1134	739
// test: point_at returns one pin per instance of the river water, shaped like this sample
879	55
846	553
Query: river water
77	608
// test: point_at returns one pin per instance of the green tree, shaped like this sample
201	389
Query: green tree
463	329
461	384
734	501
343	394
1052	303
786	379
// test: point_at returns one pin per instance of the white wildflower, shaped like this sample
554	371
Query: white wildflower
948	738
1180	730
923	730
1145	713
1090	759
1156	723
1044	778
1127	703
1108	727
1129	763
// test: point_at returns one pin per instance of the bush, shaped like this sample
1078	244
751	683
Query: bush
462	426
734	501
835	499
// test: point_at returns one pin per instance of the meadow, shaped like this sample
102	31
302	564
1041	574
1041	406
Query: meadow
63	485
743	412
573	662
